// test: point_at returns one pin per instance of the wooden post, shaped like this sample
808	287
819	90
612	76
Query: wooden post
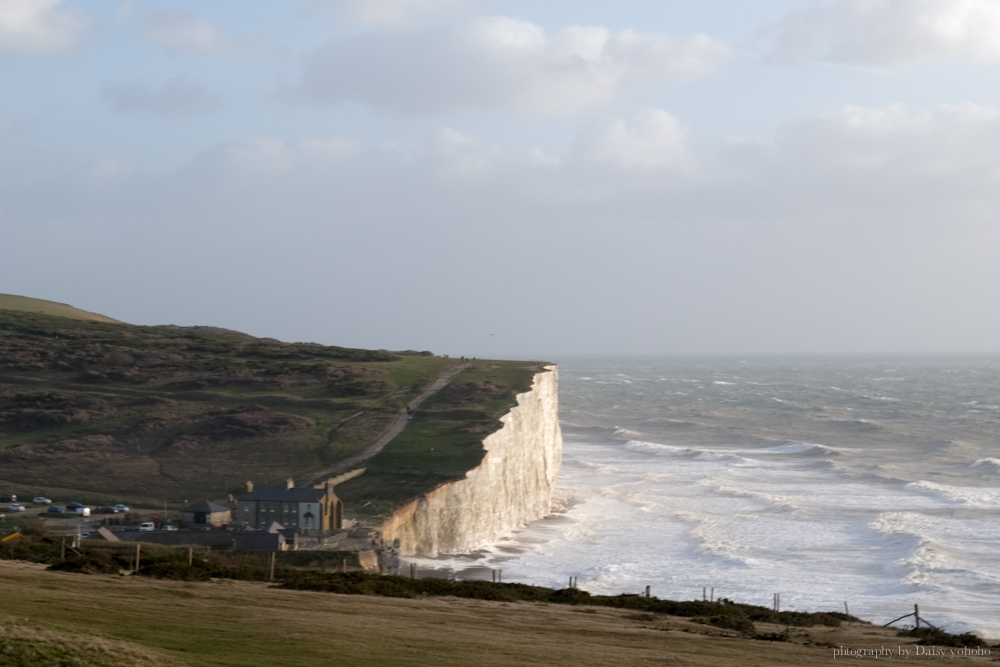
190	556
647	591
712	599
274	556
916	615
138	549
704	594
62	548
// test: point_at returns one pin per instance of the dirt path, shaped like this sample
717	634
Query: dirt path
404	418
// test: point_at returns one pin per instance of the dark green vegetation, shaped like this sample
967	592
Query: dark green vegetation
103	411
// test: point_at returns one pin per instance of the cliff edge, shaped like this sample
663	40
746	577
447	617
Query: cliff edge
512	485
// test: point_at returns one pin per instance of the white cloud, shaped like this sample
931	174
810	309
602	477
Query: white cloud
180	31
500	62
179	96
38	26
392	11
650	139
888	32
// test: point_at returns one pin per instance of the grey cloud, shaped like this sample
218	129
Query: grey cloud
887	32
181	31
499	62
178	97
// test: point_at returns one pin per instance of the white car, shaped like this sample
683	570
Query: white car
42	500
147	526
170	528
121	508
17	507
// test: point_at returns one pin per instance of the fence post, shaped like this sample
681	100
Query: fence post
647	591
916	615
138	549
273	558
190	556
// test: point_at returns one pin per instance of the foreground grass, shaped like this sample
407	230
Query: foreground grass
223	623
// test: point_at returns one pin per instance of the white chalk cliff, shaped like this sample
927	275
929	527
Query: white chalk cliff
512	486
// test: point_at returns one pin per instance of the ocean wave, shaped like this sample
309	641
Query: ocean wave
774	500
964	495
922	559
724	383
857	425
681	452
711	537
792	447
993	465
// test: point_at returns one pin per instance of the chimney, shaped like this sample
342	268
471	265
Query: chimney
291	483
249	487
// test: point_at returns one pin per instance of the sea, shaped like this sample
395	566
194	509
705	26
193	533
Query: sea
871	482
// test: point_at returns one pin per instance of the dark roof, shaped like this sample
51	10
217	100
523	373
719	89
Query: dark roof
283	494
207	506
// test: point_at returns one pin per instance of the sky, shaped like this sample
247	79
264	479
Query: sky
511	178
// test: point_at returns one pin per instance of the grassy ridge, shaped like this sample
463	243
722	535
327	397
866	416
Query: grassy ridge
100	411
14	302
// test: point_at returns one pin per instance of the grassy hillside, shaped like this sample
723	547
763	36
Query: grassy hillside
27	304
104	410
223	622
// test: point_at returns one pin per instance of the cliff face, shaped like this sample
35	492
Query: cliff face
513	484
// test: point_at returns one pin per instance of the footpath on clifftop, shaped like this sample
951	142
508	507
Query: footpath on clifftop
404	418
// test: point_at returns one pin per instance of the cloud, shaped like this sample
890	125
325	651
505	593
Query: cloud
38	26
180	31
392	11
499	62
888	33
867	228
179	96
649	139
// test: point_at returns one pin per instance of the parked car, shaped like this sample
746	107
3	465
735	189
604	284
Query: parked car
82	511
55	509
73	506
147	526
17	507
106	510
169	528
122	508
42	500
8	498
